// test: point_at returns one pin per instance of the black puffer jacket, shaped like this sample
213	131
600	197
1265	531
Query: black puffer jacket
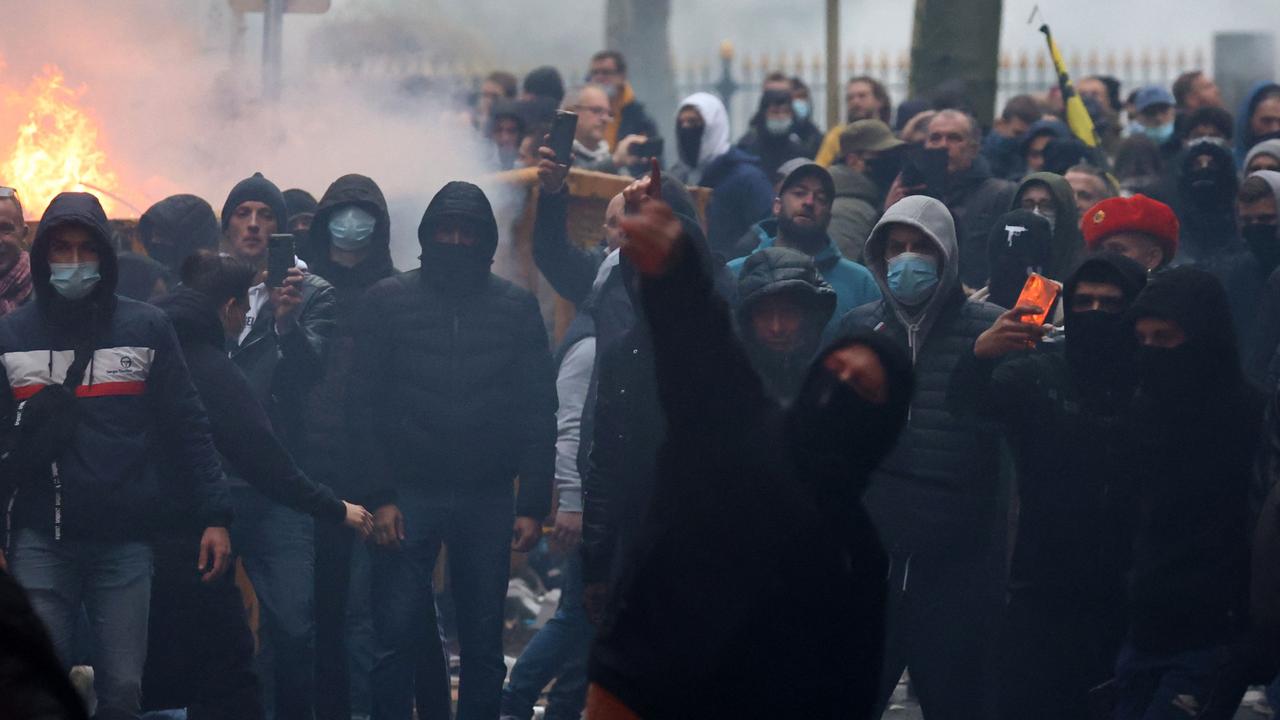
329	453
772	272
938	490
241	431
456	389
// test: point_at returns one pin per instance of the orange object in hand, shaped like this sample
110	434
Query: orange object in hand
1041	292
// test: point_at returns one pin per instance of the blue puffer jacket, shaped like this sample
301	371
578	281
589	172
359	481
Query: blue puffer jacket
137	405
853	283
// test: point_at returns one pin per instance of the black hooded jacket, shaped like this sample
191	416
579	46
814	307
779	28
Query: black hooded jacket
782	271
174	228
773	150
1194	446
976	200
456	388
329	453
241	431
1206	208
136	404
684	640
1063	424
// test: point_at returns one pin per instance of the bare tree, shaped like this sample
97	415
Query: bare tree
955	50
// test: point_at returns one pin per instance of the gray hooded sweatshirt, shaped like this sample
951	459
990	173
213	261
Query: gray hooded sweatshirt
939	489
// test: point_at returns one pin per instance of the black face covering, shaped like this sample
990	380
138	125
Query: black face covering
1170	373
689	144
1100	347
1264	243
825	415
883	169
454	268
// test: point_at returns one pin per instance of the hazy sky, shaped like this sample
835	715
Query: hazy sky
524	33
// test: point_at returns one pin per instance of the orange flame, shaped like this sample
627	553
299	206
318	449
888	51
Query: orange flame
57	146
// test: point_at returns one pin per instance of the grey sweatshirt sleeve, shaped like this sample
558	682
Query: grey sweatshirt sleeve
572	384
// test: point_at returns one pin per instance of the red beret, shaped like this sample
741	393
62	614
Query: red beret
1132	214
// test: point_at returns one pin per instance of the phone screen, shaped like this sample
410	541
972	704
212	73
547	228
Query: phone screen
563	129
926	167
1041	292
280	254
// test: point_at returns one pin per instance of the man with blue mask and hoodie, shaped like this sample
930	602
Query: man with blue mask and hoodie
1154	118
741	194
936	499
95	397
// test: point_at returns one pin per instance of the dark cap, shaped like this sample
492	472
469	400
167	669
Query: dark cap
809	169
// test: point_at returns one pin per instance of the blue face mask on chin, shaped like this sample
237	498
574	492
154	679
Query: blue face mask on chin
912	278
74	281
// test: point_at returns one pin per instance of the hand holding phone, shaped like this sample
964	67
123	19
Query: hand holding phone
560	140
280	257
1040	292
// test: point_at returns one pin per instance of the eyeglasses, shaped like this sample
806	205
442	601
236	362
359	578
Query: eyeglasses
7	192
596	110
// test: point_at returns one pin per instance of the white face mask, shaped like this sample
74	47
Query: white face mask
351	228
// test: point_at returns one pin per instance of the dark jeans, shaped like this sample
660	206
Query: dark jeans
334	546
1203	684
200	651
1055	651
942	611
277	545
112	583
559	652
478	533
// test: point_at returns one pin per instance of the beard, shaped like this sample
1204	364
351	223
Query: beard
811	236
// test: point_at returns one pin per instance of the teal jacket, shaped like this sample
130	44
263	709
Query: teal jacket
852	282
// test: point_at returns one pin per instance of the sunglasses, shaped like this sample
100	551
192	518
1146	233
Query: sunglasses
7	192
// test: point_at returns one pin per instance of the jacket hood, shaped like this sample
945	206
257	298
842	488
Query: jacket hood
1272	179
176	227
1196	301
1068	242
715	129
298	202
932	218
83	209
777	270
193	317
1110	267
351	190
466	202
1266	147
1244	136
1056	128
1019	241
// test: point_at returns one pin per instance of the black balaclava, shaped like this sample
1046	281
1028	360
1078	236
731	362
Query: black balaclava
1211	188
1100	346
458	269
689	143
827	413
1020	243
1208	361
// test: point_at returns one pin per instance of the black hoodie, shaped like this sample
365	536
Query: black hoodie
174	228
745	487
136	401
1193	444
241	430
455	387
329	453
783	271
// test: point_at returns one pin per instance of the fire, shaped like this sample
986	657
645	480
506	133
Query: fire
57	147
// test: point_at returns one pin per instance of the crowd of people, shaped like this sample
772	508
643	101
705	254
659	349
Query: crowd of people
796	441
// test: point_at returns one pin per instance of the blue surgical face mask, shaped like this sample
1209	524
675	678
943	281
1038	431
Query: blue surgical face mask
912	278
1159	134
777	126
351	228
74	281
801	108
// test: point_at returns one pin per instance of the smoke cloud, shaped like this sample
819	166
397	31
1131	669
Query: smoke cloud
178	114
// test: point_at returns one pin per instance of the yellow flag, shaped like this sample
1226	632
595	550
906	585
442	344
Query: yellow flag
1077	115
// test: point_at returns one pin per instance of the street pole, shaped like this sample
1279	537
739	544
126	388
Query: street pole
272	42
833	63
